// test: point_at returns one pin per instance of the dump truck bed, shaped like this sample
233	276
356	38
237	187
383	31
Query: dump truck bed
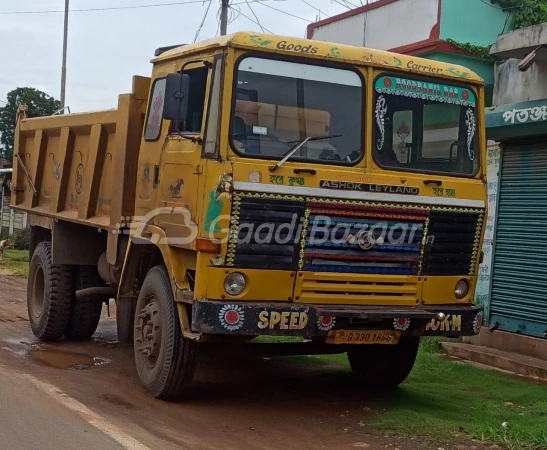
81	167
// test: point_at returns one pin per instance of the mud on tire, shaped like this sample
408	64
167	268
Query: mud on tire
383	367
86	311
165	359
50	292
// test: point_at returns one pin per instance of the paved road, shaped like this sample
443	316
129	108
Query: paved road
30	419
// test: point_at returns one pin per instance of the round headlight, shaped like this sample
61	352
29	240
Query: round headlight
234	283
462	289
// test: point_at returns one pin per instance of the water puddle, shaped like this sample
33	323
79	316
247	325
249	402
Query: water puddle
67	360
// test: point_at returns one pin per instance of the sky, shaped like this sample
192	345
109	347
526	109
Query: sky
106	48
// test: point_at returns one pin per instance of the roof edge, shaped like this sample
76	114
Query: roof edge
346	14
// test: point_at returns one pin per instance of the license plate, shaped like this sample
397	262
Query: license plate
363	337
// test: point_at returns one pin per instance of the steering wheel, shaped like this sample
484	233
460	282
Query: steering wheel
336	157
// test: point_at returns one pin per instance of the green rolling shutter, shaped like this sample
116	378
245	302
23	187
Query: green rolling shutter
519	278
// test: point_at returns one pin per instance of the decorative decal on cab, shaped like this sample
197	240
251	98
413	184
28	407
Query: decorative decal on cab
326	323
366	187
477	323
256	39
145	183
401	324
450	323
425	90
282	320
231	317
174	189
284	45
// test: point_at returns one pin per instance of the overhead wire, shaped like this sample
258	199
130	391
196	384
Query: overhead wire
341	4
284	12
203	20
257	21
234	11
250	19
314	7
116	8
349	3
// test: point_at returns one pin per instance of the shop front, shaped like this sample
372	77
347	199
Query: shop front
517	277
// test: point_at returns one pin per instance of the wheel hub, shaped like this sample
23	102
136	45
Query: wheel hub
148	331
38	294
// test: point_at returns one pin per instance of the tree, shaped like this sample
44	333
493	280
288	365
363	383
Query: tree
39	104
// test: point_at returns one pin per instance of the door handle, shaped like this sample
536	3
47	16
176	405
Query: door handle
310	171
437	182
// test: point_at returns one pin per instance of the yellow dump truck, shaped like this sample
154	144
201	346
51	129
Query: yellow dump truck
258	185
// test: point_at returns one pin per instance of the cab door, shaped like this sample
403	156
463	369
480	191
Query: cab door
180	164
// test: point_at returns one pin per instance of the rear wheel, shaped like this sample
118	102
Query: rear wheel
86	311
49	294
383	367
165	359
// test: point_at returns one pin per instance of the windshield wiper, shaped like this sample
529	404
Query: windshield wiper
298	146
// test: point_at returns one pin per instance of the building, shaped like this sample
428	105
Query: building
10	220
515	298
452	31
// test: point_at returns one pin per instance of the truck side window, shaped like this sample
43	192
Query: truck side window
210	147
196	102
155	110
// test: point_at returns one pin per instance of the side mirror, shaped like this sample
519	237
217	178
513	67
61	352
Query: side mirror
176	97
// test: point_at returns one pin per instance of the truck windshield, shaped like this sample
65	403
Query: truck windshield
425	126
280	104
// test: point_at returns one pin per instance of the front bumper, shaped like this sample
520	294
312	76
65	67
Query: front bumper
308	320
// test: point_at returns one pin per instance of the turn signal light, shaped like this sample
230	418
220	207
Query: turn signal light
207	245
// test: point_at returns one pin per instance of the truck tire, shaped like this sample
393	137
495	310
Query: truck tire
49	294
86	311
125	319
166	360
384	367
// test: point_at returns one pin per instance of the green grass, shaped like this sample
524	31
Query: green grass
277	339
451	400
15	263
16	255
15	268
444	398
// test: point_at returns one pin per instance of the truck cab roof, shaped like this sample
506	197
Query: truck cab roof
324	51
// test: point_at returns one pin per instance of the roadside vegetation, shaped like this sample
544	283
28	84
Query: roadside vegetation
453	401
15	263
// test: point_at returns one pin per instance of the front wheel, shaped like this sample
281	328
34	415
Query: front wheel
383	367
165	359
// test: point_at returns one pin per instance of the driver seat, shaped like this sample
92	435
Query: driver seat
249	140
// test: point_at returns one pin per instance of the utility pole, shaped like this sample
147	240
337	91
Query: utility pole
63	69
223	17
